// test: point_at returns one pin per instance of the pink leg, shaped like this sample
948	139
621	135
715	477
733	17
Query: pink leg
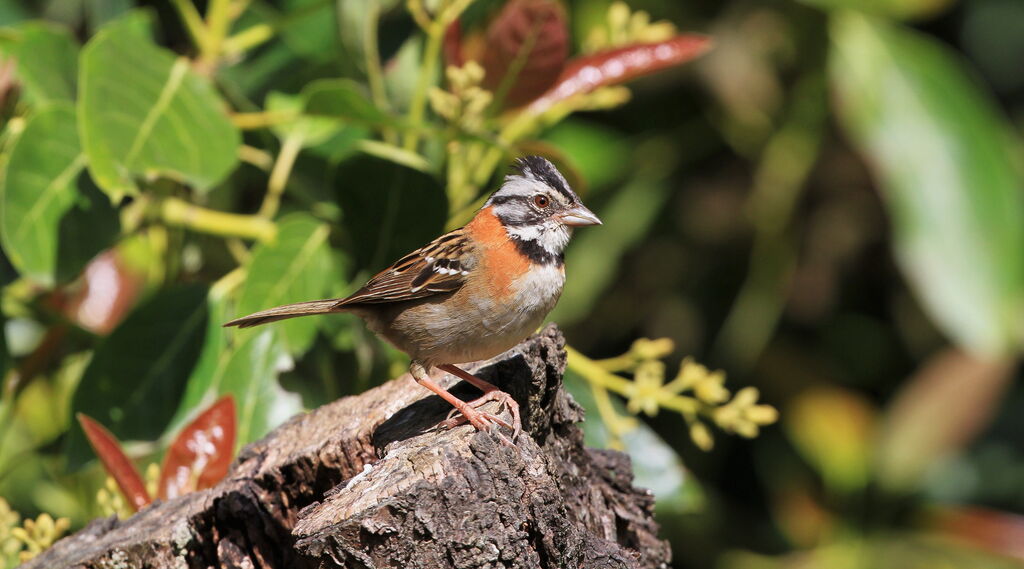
491	393
482	421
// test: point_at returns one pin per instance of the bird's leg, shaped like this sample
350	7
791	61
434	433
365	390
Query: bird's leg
491	393
482	421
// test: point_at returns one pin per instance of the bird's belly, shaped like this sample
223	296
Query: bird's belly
471	326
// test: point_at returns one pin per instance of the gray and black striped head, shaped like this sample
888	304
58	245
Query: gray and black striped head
539	209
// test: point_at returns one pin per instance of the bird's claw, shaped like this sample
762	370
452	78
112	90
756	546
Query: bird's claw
484	421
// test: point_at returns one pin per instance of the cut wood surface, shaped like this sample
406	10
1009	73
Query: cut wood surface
369	481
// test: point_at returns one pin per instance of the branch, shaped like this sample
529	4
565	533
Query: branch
368	481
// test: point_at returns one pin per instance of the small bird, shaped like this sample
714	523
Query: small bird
473	293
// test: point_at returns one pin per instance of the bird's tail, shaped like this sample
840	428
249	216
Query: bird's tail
288	311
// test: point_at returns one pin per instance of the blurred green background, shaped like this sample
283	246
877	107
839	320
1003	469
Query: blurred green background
827	205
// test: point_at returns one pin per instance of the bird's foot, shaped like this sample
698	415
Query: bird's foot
468	413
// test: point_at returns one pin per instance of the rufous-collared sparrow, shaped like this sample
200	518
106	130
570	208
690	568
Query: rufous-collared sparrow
473	293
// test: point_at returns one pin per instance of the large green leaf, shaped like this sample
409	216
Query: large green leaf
11	12
327	136
38	187
143	111
909	9
137	375
99	12
343	99
46	57
250	375
945	162
311	130
309	28
295	267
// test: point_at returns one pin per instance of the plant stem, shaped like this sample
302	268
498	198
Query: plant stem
256	156
238	250
374	72
418	105
248	39
594	373
280	174
193	23
262	119
180	213
228	283
218	23
394	154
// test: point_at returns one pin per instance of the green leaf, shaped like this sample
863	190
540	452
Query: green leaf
250	375
11	12
143	111
46	58
402	72
309	28
903	9
314	130
297	266
100	12
345	99
137	375
5	355
388	209
944	160
38	187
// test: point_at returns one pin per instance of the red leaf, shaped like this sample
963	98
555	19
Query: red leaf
452	46
992	530
108	289
116	462
587	73
527	47
199	457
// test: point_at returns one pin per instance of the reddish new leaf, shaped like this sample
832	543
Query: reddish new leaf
452	46
587	73
199	457
526	49
992	530
109	288
117	464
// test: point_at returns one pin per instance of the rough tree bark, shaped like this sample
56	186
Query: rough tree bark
367	481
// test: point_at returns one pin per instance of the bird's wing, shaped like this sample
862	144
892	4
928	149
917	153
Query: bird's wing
439	267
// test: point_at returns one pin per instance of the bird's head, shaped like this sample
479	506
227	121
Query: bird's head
538	208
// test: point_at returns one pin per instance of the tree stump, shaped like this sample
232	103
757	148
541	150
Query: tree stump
370	481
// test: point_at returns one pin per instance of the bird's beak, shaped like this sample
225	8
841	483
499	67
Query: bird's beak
577	216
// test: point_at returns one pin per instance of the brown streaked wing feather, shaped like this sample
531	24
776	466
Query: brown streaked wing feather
436	268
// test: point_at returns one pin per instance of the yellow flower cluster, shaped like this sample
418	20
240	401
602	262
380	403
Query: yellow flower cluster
9	545
624	27
466	103
464	106
695	392
743	415
25	541
111	501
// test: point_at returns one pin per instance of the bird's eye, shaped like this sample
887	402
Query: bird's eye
541	201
